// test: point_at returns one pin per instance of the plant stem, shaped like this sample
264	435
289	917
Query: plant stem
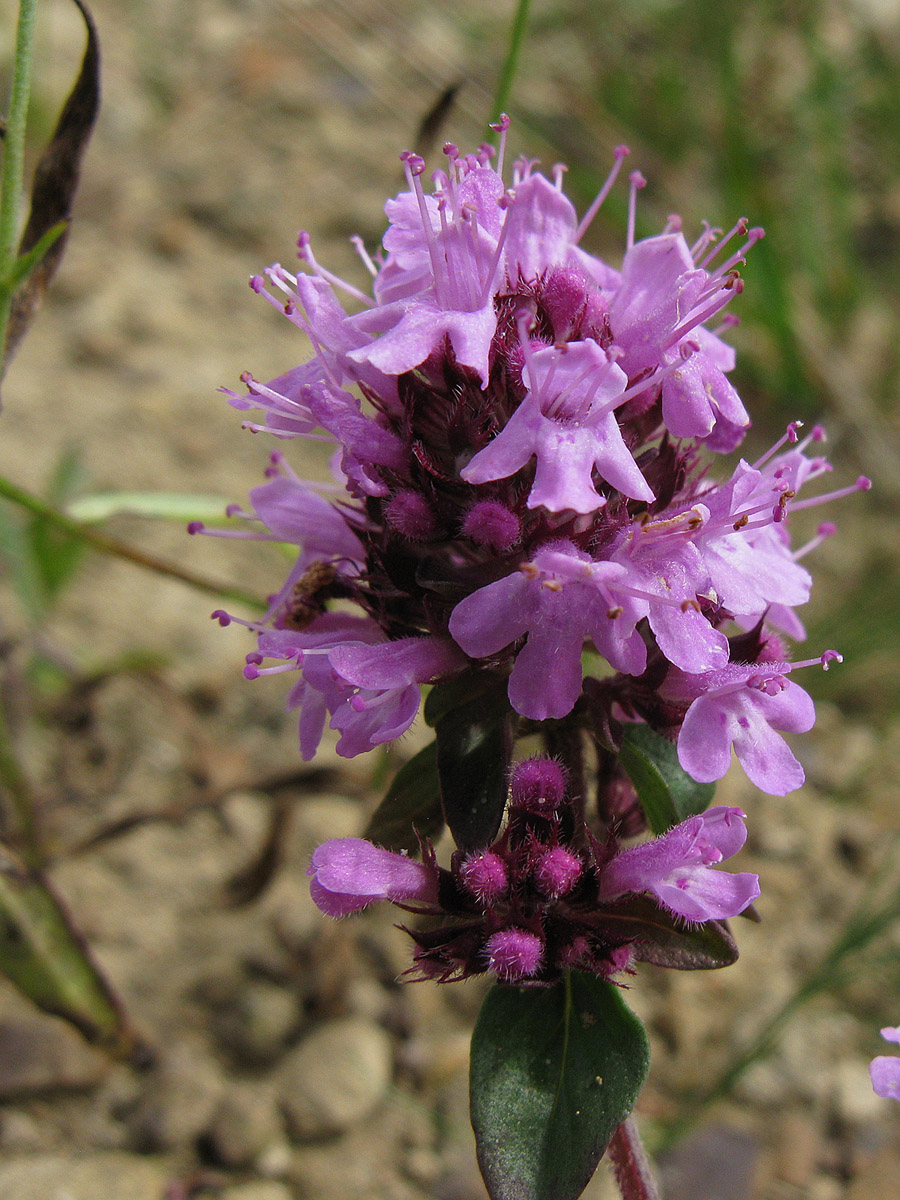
14	157
119	549
631	1165
21	797
511	62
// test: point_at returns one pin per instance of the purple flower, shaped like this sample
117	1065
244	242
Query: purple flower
667	570
349	873
350	672
743	706
676	868
567	421
463	253
659	308
522	432
557	602
885	1069
744	545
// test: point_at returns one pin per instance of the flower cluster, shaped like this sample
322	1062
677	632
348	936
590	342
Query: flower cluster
522	435
545	896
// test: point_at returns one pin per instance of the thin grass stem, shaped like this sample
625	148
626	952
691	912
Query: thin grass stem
14	158
119	549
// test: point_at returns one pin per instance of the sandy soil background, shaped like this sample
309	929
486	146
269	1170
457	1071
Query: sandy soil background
288	1063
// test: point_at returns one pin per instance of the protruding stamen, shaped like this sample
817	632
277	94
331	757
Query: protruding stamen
709	235
753	235
789	435
619	154
699	316
824	661
740	229
863	484
637	182
305	254
360	247
729	321
826	530
413	166
501	126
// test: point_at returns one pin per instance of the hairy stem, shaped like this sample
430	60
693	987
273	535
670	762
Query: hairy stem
630	1164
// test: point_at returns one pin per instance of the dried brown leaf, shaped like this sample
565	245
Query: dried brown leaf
55	183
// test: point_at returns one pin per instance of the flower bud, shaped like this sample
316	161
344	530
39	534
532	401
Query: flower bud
490	523
411	515
484	876
557	872
514	954
538	785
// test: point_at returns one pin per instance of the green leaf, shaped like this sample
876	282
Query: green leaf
666	791
25	264
444	697
168	506
659	937
554	1072
46	959
474	748
411	804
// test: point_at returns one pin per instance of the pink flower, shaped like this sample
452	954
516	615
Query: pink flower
745	706
567	421
885	1069
349	873
557	601
352	673
677	868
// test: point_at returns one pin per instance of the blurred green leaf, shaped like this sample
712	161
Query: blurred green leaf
182	507
43	955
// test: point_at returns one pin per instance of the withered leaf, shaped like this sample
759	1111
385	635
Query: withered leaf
54	185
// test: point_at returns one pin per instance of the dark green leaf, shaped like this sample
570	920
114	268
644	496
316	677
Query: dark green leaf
474	747
46	959
55	182
411	804
554	1072
444	697
668	941
666	791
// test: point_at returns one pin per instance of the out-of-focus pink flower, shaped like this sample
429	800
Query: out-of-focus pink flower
885	1069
